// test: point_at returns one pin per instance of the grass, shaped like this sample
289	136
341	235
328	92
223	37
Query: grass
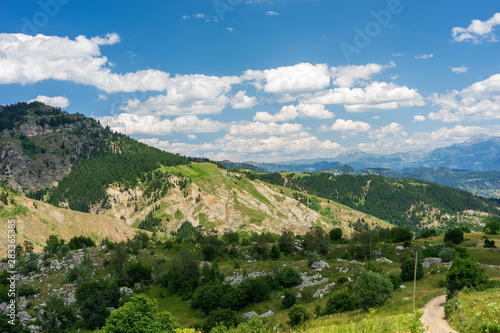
479	310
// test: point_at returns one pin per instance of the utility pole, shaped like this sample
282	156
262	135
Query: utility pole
415	279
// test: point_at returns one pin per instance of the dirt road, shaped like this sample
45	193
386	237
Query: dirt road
434	316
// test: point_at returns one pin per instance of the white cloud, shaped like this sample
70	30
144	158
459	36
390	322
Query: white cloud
300	78
424	56
398	54
187	94
191	136
287	113
201	16
418	118
461	69
242	101
290	112
102	97
478	31
347	76
314	111
347	126
271	13
375	96
27	59
261	128
479	101
230	29
57	101
134	124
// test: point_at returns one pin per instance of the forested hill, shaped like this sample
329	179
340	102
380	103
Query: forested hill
41	144
405	202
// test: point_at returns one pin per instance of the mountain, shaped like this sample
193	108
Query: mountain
401	201
292	166
76	165
480	153
485	183
339	170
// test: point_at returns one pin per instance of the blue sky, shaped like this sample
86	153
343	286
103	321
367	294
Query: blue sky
262	80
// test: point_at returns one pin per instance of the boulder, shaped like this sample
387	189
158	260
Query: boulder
319	265
269	313
400	248
384	260
249	315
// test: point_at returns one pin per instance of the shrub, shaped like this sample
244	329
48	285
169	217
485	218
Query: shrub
396	281
137	272
492	227
447	254
139	316
286	242
489	243
288	299
370	289
53	244
340	302
226	317
408	270
211	297
341	280
312	257
26	290
275	252
288	277
79	242
336	234
455	236
298	315
400	234
464	272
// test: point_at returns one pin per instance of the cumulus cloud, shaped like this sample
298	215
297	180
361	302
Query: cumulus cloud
261	128
286	113
134	124
57	101
188	94
347	76
479	101
375	96
424	56
290	112
418	118
30	59
478	31
347	126
242	101
461	69
303	77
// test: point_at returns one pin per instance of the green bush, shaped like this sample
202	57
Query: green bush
226	317
370	289
288	277
298	315
408	270
464	272
288	299
340	302
312	257
492	227
455	236
26	290
447	254
396	281
79	242
341	280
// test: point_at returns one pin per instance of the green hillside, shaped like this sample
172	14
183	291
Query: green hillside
405	202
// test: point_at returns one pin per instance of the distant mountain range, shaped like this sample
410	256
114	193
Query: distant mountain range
472	166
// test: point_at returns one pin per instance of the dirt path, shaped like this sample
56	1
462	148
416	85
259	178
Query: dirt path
434	316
